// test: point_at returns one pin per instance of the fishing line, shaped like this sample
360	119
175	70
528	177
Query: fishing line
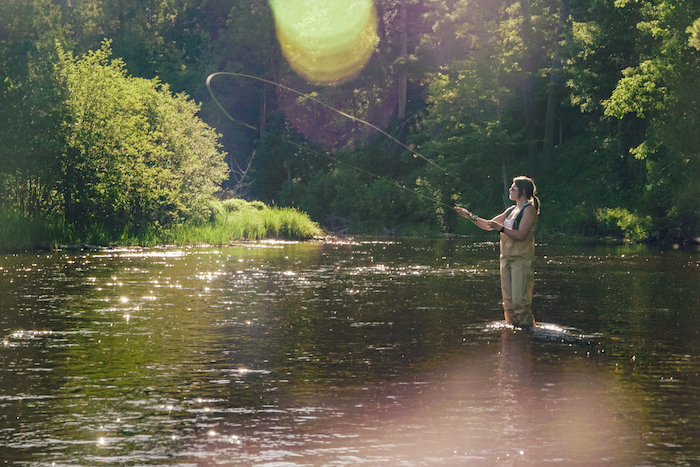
351	117
366	172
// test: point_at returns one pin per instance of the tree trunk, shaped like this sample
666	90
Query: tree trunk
263	112
403	78
504	155
527	66
548	146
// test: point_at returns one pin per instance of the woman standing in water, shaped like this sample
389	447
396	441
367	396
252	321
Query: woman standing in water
516	225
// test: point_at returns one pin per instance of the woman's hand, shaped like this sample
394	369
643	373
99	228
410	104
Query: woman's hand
463	212
485	224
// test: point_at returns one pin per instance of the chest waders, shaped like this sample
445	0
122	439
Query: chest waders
518	274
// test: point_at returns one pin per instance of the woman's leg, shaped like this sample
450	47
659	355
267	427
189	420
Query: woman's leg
517	284
507	292
523	282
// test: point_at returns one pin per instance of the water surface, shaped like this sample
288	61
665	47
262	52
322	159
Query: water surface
359	353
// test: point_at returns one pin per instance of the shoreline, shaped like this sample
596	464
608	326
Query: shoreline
344	238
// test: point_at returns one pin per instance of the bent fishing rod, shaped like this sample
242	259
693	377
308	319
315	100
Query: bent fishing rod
345	114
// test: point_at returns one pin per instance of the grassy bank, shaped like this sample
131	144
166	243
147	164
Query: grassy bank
227	221
235	219
19	233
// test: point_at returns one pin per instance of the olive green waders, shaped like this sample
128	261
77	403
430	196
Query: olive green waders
517	283
517	273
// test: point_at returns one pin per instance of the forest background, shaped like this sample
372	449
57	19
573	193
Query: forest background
597	100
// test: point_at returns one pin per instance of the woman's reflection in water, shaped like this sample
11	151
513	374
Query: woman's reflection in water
515	383
558	407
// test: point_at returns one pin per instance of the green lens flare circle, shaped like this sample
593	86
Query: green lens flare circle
326	41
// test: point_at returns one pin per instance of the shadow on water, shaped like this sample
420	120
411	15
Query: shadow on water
364	353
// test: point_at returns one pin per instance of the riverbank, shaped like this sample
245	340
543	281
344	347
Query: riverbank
232	221
227	221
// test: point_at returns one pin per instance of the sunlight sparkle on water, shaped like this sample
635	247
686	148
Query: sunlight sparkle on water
349	355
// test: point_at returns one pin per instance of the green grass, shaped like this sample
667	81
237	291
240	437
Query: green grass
228	221
19	233
236	219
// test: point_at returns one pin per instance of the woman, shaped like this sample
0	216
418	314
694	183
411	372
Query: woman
516	225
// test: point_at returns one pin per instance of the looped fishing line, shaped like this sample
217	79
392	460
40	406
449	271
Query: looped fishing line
351	117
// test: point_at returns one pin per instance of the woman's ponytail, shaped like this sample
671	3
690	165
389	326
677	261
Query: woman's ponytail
527	187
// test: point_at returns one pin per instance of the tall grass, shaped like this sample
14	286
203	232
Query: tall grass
18	232
236	219
226	221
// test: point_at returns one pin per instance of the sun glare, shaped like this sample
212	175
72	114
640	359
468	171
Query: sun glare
326	41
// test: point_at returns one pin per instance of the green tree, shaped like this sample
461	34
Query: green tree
29	118
662	90
136	156
590	167
479	115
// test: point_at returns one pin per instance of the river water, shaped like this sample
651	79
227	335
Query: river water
354	353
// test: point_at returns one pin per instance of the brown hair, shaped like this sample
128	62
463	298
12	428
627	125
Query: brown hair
527	187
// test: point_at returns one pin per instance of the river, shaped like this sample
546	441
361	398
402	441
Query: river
361	352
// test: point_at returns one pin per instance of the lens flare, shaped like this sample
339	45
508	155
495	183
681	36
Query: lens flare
326	41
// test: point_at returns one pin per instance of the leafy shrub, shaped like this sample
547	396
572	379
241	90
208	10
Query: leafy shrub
135	154
237	204
620	222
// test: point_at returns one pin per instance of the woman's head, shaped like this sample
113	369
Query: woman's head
527	189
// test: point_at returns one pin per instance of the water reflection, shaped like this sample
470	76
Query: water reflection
358	353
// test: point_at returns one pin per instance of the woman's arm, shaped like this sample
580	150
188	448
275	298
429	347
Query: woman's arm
482	223
526	223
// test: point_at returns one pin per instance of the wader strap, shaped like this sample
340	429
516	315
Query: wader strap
519	217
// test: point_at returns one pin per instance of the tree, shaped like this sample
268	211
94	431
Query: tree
662	90
136	156
479	98
239	48
29	30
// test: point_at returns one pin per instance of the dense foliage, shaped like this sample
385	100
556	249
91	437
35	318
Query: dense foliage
98	151
134	155
598	101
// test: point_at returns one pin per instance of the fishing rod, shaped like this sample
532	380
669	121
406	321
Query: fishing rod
347	115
